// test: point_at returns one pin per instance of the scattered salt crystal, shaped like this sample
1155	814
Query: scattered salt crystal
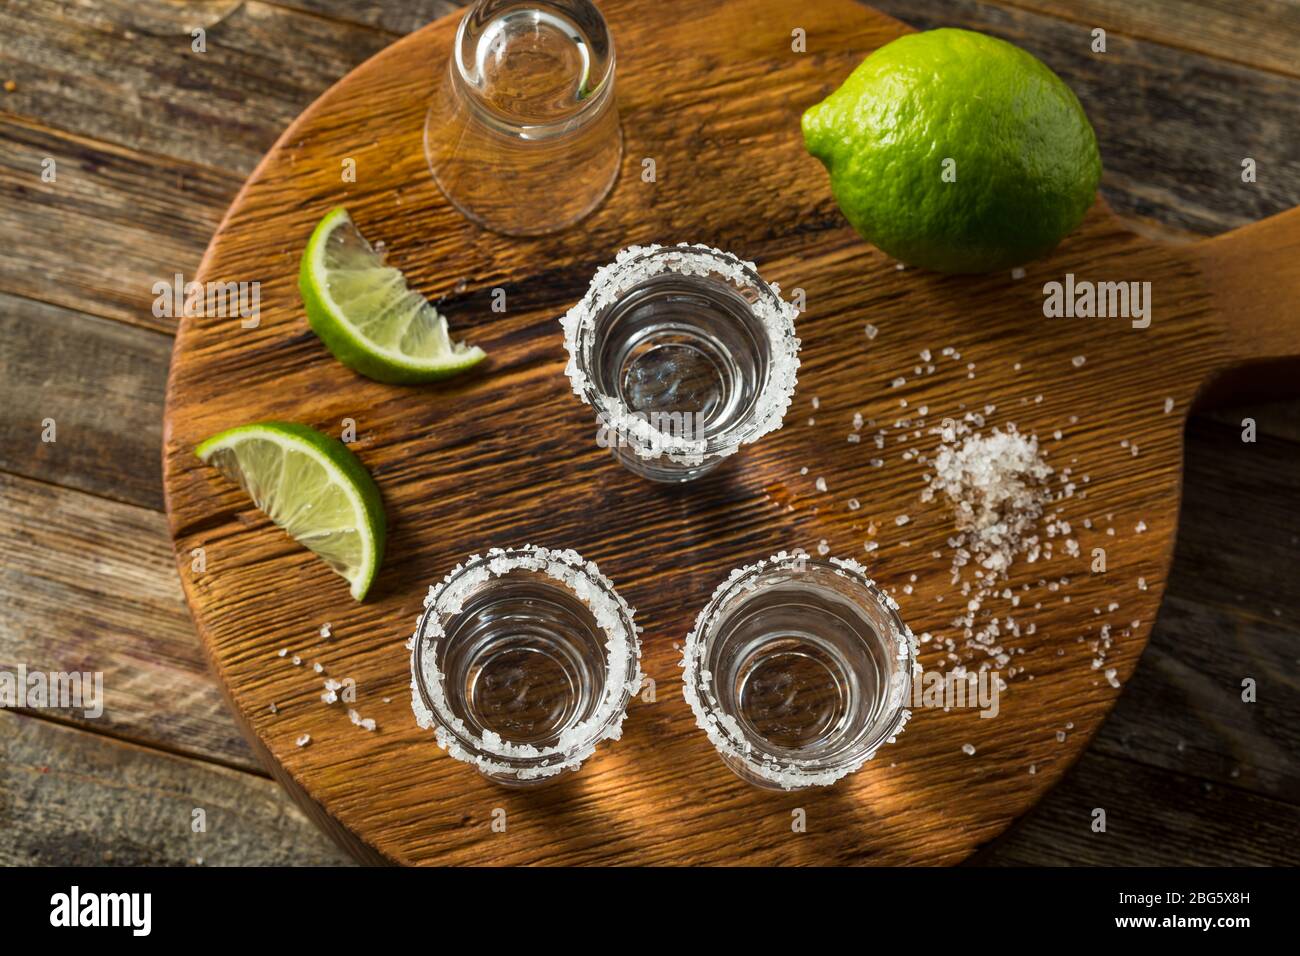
854	504
274	708
325	631
318	668
304	740
1018	273
1140	527
902	520
1142	584
1169	405
872	331
968	749
821	484
297	661
283	651
1060	736
368	723
1111	677
816	403
1078	361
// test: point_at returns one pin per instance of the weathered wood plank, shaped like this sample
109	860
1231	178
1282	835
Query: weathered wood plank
1183	710
95	387
1260	34
1153	818
90	585
124	71
111	224
72	798
1244	557
402	17
1173	126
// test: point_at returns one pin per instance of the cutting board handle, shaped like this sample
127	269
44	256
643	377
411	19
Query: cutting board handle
1253	276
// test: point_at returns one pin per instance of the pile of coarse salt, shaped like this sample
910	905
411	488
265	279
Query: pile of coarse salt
999	487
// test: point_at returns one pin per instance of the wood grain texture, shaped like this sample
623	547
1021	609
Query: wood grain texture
396	18
70	798
101	384
111	223
1193	822
1259	34
463	467
88	585
125	72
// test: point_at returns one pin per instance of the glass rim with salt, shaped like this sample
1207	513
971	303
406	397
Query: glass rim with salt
630	270
745	753
500	759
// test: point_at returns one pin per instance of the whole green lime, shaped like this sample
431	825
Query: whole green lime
956	151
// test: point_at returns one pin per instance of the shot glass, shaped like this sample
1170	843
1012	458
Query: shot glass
524	661
799	670
522	135
685	353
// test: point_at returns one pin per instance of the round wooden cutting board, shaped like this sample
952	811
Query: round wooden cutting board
712	92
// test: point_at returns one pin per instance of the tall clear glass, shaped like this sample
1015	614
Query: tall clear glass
523	662
799	670
522	135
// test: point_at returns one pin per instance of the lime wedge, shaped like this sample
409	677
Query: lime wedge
366	314
313	487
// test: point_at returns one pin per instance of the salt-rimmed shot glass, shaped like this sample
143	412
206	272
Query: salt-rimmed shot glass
799	670
522	134
523	662
685	353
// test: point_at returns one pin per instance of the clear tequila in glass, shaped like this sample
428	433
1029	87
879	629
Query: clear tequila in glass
799	670
685	353
523	661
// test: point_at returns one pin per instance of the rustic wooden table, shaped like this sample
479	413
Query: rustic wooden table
143	141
